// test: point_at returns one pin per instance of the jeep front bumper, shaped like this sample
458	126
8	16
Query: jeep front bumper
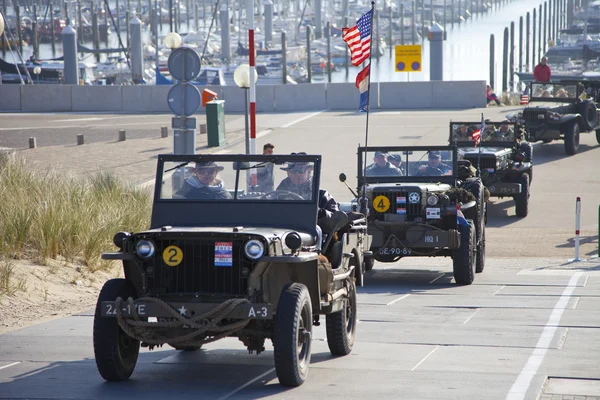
504	188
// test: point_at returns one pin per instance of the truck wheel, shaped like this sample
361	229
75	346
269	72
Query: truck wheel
293	335
598	136
463	260
116	353
590	115
475	186
522	199
341	326
572	138
369	263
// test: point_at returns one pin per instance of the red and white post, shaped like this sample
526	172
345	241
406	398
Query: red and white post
577	227
252	73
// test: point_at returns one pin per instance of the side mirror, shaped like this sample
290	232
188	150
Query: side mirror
342	177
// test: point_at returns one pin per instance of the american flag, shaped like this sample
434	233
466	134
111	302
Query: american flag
477	134
358	38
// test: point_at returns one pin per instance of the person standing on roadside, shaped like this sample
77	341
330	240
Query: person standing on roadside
542	73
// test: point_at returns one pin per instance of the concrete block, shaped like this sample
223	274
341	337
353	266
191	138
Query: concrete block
10	97
300	97
145	99
265	98
345	96
46	98
459	94
96	98
234	99
406	95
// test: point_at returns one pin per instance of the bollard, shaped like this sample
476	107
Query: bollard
79	139
164	131
122	135
577	227
32	143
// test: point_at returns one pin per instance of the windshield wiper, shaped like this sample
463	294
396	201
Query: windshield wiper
178	166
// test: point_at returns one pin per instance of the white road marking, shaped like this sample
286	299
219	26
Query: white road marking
302	119
10	365
468	319
576	303
78	119
263	133
585	282
398	299
521	386
437	278
498	291
245	385
424	358
222	151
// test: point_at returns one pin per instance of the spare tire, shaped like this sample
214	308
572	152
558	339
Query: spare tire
590	115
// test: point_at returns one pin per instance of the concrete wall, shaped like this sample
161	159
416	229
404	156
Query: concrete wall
269	98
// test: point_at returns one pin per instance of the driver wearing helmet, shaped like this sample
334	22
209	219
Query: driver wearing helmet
300	182
434	166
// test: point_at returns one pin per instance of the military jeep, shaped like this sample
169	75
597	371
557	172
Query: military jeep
421	207
503	158
221	260
558	111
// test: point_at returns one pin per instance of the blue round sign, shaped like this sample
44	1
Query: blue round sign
415	66
401	66
184	99
184	64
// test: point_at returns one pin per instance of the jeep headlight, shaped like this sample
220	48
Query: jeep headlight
432	200
144	248
254	249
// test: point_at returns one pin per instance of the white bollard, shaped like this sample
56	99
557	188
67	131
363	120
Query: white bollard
577	226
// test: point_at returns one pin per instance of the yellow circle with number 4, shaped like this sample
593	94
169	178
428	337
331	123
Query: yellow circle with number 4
172	256
381	204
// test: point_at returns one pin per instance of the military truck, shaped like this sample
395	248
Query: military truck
220	259
502	156
560	111
420	208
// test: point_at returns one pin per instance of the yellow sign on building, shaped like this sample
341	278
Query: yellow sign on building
408	58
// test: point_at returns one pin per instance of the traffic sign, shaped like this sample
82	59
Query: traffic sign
184	64
408	58
184	99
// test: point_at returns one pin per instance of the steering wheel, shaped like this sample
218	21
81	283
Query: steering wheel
281	195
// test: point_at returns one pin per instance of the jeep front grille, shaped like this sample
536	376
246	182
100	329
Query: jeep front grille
399	204
534	115
197	272
484	162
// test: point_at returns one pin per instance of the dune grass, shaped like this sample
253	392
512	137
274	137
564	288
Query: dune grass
46	215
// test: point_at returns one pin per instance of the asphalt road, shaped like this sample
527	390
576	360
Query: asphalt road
529	319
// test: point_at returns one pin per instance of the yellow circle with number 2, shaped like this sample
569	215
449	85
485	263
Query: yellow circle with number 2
381	204
172	256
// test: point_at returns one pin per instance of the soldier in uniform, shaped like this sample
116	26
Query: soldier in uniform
204	184
434	166
396	161
503	133
381	166
463	133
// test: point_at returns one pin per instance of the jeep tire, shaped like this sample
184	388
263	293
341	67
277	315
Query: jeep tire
590	115
522	199
475	186
293	335
463	260
598	136
572	138
116	353
369	263
341	325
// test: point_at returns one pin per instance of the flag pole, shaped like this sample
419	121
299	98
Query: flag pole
363	200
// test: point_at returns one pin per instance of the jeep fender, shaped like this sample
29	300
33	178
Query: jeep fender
565	119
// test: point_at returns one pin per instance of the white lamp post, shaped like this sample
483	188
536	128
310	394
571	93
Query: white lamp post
37	70
241	77
1	24
173	40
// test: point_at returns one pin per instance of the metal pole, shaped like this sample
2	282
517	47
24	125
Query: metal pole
511	57
577	227
328	33
540	32
170	15
402	24
95	38
533	53
414	23
520	43
391	33
377	34
545	24
492	60
19	31
445	6
284	57
505	62
527	40
346	53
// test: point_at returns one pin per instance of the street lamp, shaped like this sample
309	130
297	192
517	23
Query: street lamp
173	40
241	77
37	70
1	24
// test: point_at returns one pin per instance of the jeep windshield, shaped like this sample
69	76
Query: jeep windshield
231	179
210	190
398	164
553	92
494	134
